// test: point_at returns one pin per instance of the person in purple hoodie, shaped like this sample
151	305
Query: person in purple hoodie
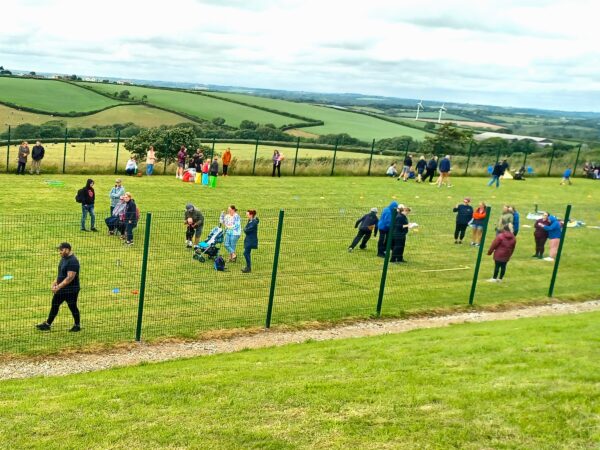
540	235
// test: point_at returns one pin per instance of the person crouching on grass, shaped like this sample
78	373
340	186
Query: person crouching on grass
366	225
195	222
502	247
251	239
65	288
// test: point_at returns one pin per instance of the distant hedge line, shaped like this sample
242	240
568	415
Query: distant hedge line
56	113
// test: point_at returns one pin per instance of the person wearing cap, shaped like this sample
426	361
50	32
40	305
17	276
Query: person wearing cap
194	221
65	288
366	225
115	194
464	214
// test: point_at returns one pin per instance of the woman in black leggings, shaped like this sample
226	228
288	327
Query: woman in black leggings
502	248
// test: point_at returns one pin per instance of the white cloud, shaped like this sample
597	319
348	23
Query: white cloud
508	52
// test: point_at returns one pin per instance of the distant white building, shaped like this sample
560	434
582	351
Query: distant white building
90	79
542	142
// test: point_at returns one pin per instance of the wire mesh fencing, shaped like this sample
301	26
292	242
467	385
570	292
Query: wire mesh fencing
313	277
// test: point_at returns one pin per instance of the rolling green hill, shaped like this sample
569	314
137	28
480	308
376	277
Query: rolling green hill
51	96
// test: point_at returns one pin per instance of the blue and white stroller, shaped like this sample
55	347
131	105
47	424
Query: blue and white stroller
209	248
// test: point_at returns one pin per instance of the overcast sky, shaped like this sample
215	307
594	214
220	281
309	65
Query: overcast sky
529	53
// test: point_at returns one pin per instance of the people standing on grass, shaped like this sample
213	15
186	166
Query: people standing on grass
554	232
251	239
408	162
567	177
399	232
497	172
37	154
502	248
392	171
431	168
233	230
383	226
478	223
150	160
226	160
65	288
464	214
444	169
131	218
88	198
115	194
22	155
540	235
194	221
197	159
366	225
421	164
181	159
131	166
277	158
214	167
505	219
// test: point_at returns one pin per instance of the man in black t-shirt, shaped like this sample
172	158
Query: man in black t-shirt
65	288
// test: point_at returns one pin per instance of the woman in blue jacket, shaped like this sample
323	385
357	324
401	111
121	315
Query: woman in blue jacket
554	233
251	239
384	225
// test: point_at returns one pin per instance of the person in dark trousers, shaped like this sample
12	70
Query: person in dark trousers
408	162
502	247
421	164
65	288
195	223
37	154
22	155
497	172
130	218
88	196
384	225
540	235
277	158
251	239
431	168
214	167
399	232
505	166
366	225
516	219
464	214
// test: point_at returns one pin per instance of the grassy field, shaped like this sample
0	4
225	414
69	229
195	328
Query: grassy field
140	115
317	279
51	96
528	383
197	105
336	121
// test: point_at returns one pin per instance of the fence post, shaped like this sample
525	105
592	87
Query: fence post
525	159
138	329
560	246
406	150
551	161
497	155
386	260
371	157
84	151
255	153
296	157
65	150
212	150
468	157
274	272
334	155
8	149
576	160
117	156
488	211
165	166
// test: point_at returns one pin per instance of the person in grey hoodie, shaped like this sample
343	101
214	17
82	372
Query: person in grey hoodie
366	225
384	225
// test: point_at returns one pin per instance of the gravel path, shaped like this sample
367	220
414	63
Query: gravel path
78	363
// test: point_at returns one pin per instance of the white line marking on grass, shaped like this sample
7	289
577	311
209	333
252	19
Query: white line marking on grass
446	270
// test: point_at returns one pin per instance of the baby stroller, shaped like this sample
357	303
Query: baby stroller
209	249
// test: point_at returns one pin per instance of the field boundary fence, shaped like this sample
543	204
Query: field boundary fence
304	271
303	158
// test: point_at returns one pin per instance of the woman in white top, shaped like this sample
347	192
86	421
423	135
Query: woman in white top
131	167
233	230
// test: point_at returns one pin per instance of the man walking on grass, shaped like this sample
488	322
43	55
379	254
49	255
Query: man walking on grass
65	288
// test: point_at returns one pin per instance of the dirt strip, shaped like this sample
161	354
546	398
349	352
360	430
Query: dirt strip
86	362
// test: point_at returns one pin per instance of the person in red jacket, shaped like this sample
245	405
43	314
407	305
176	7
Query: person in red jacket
502	247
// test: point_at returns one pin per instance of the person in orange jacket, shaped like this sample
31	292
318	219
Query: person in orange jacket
226	158
477	224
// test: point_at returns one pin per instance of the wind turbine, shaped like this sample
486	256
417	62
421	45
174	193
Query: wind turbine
419	108
442	110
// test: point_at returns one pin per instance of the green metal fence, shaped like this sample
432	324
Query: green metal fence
312	277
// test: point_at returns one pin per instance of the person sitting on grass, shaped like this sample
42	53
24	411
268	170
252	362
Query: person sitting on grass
502	248
392	171
131	166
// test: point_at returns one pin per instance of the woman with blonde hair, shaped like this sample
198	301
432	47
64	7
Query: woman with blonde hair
479	215
233	230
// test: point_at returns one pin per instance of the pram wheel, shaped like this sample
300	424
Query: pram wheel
199	258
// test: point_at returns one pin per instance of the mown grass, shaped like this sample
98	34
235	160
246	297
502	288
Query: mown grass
528	383
317	278
51	96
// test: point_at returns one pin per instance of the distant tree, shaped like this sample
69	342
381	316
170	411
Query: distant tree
3	71
106	81
219	121
87	133
448	140
32	74
144	98
73	77
429	126
270	125
248	125
124	94
166	141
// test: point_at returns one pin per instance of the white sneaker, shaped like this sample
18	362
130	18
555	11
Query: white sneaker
547	258
492	280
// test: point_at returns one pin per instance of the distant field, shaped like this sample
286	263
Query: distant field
51	96
430	115
336	121
200	106
140	115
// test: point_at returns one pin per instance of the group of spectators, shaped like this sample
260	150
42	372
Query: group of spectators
200	163
37	154
592	170
423	170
